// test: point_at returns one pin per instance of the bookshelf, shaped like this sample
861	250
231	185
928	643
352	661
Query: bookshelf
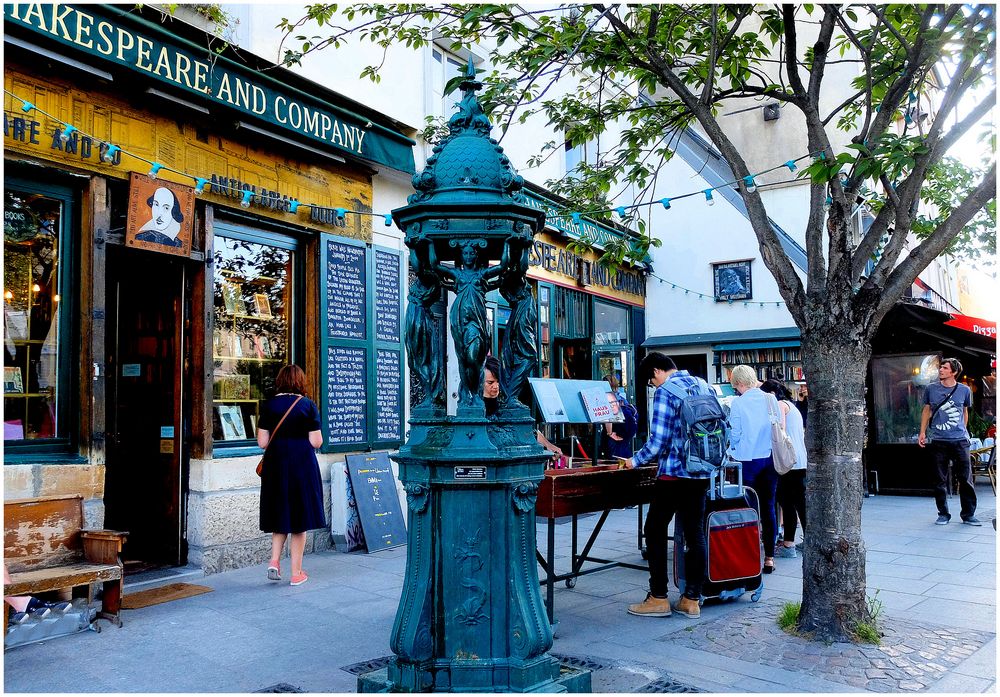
783	364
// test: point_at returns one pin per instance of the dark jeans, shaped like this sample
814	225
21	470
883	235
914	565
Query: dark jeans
957	452
792	499
760	476
686	497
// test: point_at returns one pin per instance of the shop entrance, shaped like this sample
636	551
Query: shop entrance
146	394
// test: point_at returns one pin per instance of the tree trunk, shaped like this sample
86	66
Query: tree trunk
835	359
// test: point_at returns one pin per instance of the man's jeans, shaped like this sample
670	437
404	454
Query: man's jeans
686	497
957	452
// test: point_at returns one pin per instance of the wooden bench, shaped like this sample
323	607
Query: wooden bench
47	549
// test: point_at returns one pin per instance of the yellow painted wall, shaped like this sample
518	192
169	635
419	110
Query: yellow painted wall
559	271
156	137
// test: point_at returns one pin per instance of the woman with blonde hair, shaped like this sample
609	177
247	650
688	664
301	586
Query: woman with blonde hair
750	443
291	490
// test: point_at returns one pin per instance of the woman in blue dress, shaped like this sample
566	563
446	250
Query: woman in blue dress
291	490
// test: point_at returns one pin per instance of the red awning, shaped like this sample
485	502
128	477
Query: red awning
983	327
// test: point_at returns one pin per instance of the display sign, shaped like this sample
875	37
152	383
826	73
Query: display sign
983	327
601	404
114	36
560	401
377	501
387	296
388	396
550	260
732	281
477	472
346	395
160	215
346	296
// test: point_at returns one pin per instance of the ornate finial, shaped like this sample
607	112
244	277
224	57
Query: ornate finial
470	115
470	83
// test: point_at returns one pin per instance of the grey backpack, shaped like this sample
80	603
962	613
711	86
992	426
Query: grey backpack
705	426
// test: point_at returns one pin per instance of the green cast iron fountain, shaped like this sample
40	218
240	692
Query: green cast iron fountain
471	616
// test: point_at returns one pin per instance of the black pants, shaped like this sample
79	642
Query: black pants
956	452
792	499
686	497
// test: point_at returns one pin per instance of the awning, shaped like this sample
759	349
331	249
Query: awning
983	327
729	340
756	345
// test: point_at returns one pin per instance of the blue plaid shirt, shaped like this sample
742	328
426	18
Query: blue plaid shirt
666	429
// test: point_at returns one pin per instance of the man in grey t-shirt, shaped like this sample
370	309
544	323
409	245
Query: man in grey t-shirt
946	413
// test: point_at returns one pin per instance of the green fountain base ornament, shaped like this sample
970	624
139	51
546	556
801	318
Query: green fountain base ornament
471	616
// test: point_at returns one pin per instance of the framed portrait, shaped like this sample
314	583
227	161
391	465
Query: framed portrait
262	305
160	215
732	281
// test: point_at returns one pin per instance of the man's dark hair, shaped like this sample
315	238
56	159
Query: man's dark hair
956	365
175	210
777	388
652	361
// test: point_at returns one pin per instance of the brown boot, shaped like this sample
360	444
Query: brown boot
688	607
651	607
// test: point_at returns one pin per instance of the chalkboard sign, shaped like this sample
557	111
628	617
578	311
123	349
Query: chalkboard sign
378	504
346	299
388	396
346	395
386	296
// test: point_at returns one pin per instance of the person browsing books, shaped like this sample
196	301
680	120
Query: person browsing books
291	490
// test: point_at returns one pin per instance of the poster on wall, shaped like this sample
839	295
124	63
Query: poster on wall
732	281
160	215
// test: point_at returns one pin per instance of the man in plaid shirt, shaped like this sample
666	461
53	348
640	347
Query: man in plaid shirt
676	491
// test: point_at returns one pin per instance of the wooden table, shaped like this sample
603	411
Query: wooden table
572	492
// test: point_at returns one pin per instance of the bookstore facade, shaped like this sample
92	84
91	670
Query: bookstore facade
169	245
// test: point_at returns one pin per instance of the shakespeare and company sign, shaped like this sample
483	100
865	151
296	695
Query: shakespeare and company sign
116	36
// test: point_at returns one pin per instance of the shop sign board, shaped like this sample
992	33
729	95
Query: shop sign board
229	166
983	327
160	215
550	260
115	36
377	500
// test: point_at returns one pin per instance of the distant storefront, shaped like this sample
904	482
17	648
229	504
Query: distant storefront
161	264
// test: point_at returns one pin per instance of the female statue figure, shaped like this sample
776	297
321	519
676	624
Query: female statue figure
470	329
425	290
520	351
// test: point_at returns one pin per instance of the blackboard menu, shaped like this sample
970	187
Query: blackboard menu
378	503
346	301
346	396
388	402
386	296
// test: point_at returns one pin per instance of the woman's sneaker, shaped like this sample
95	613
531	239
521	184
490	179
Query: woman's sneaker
786	552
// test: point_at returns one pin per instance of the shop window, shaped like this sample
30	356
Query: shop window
444	67
899	383
571	314
37	318
611	323
544	339
254	281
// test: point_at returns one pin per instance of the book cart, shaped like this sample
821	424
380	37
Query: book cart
598	487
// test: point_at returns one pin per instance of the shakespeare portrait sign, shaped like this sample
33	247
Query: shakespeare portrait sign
160	215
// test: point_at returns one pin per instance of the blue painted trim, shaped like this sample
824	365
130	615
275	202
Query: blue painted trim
726	338
756	345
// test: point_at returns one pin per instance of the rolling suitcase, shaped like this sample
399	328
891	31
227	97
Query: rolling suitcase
734	555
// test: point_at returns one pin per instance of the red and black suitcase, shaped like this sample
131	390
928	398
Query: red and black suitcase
734	555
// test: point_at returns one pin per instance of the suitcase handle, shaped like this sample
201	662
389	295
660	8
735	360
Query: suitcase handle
718	488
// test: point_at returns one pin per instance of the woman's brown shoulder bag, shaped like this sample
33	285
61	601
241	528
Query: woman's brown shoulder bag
260	465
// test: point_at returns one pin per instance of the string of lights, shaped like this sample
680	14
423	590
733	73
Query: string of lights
110	152
705	296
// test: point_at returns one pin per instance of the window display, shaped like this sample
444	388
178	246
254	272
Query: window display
32	324
252	332
898	383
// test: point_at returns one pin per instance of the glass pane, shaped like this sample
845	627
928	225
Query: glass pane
252	334
31	316
610	323
899	383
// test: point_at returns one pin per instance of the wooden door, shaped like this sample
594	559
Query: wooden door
143	492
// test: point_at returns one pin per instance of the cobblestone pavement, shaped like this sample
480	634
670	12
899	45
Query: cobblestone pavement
910	658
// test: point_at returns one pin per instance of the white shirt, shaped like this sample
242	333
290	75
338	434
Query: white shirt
797	432
750	437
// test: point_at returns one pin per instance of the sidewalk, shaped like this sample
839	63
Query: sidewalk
937	585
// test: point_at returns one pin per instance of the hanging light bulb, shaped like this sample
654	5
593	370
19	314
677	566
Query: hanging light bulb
341	213
666	203
620	211
154	170
828	203
35	288
7	295
67	133
575	217
247	198
27	106
55	297
109	153
388	219
749	184
708	197
293	206
199	185
791	166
